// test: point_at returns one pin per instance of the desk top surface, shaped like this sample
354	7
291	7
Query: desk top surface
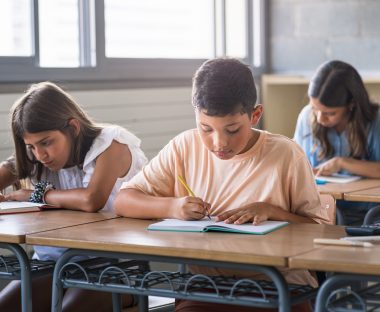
368	195
347	259
14	227
131	236
338	190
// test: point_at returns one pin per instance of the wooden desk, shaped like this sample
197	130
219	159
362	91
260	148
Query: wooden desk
339	259
15	227
368	195
130	236
358	263
338	190
130	239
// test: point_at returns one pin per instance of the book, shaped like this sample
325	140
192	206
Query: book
337	178
206	225
19	207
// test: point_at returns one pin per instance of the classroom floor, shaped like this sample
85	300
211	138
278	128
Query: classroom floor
157	304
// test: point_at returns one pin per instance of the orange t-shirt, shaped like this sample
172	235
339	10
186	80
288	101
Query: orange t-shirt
275	170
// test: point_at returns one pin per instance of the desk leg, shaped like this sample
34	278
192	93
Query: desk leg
278	279
116	302
57	287
26	280
143	304
332	283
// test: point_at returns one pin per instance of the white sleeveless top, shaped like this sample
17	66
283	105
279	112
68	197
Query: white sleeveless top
74	177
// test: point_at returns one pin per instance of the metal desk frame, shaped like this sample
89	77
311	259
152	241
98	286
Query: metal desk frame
25	274
284	298
337	285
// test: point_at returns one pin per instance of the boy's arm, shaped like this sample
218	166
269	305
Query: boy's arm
133	203
136	204
304	194
283	215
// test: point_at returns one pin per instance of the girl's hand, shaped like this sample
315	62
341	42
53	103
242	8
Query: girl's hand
190	208
2	197
19	195
255	213
329	167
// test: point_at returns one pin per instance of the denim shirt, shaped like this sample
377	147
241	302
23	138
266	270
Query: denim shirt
303	136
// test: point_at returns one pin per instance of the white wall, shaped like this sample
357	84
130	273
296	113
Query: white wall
305	33
154	115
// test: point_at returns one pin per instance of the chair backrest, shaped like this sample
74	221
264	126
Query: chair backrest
329	204
372	216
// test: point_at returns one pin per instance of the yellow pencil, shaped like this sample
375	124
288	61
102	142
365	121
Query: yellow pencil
188	189
186	186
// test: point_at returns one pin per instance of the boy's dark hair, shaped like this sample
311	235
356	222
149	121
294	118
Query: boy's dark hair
224	86
46	107
338	84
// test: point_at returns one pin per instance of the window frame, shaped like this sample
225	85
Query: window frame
26	69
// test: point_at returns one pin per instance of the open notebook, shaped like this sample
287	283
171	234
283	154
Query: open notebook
19	207
336	178
206	225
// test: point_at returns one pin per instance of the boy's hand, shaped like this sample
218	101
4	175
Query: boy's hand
190	208
255	213
19	195
329	167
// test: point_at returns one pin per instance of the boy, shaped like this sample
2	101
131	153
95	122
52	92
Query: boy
239	173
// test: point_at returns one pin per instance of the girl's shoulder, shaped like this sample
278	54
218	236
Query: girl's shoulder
304	119
118	133
305	113
105	138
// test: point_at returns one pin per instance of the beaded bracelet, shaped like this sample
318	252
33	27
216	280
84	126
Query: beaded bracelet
40	189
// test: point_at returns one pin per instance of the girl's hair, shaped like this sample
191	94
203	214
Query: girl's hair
46	107
224	86
338	84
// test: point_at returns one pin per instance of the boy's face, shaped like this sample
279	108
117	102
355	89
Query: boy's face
229	135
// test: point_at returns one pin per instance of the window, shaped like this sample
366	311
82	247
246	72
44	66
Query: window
236	29
167	29
16	34
70	40
58	33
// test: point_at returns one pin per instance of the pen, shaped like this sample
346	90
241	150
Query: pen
362	238
191	193
339	242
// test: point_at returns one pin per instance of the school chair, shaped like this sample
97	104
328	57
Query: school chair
356	218
372	216
329	204
340	219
